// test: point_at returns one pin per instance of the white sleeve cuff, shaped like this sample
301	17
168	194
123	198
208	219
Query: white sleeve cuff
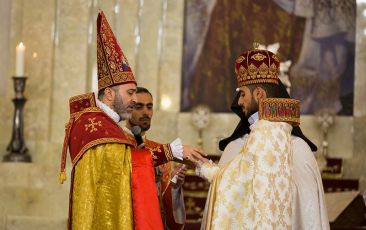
207	171
199	166
177	148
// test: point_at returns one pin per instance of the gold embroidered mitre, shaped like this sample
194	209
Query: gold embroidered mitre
257	66
280	109
113	67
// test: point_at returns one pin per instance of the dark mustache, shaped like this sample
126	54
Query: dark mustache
145	118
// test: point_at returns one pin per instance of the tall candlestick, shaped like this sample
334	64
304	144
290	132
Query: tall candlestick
19	64
17	150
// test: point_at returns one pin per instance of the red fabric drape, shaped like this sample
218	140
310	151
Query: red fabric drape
146	209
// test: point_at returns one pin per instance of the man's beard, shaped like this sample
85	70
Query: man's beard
144	123
120	108
252	108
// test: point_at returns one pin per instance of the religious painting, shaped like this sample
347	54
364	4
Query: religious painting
315	40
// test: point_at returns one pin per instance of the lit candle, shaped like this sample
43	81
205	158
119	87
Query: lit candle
19	64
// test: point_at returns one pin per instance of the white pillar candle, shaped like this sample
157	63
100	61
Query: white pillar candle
19	64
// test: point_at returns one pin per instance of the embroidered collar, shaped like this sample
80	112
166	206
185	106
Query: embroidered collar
108	111
280	109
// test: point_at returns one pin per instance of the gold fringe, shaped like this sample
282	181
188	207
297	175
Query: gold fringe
62	177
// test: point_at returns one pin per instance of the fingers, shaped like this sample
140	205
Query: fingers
197	157
192	158
183	168
181	174
194	154
200	151
181	177
189	148
205	160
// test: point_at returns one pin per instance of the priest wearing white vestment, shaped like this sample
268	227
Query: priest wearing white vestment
307	197
309	203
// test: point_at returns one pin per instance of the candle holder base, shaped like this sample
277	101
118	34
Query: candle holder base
17	157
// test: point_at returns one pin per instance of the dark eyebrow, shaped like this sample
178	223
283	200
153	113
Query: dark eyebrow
142	104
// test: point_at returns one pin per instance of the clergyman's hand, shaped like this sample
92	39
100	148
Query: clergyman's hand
180	175
193	154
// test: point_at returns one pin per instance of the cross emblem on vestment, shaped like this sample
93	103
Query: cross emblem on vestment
92	125
190	204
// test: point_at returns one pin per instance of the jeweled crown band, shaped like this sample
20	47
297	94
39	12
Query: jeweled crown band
280	109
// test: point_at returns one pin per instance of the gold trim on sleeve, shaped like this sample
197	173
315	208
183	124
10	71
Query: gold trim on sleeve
168	152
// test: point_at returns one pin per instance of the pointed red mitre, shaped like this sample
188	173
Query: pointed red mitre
113	67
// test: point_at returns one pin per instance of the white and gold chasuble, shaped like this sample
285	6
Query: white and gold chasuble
254	190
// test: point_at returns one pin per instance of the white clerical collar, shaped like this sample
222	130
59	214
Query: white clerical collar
253	118
108	111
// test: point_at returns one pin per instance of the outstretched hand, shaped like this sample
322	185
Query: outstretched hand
193	154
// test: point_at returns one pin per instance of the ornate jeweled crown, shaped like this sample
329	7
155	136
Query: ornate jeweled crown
257	66
280	109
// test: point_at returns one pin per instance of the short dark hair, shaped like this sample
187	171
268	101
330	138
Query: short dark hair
272	90
140	89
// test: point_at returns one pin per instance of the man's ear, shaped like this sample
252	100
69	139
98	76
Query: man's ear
259	93
109	94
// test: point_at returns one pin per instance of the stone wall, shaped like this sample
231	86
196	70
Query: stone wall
60	57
